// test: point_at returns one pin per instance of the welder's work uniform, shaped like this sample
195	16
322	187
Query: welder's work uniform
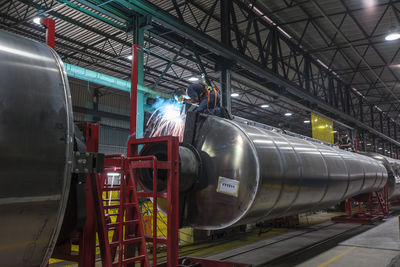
345	144
209	100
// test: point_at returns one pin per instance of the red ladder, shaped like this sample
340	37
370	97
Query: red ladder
382	203
121	217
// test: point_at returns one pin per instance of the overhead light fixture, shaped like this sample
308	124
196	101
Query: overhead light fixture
288	114
193	79
37	20
129	57
307	121
264	106
369	3
368	144
334	131
234	95
393	34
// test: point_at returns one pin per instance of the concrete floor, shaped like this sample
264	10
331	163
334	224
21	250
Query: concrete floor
268	250
343	256
379	246
326	244
322	244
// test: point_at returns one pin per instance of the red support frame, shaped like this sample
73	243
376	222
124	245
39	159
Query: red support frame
136	161
87	238
50	31
134	94
355	144
172	194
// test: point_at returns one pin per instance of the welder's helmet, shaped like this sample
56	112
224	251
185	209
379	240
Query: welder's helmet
180	95
195	91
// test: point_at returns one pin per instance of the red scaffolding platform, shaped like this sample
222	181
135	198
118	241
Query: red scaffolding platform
171	165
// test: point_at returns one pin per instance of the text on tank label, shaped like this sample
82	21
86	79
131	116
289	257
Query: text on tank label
228	186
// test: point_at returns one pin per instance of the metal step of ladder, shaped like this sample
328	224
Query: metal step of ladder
121	219
382	203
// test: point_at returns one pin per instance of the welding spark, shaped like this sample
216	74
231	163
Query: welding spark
167	119
172	112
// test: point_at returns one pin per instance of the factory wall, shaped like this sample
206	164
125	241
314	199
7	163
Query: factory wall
113	131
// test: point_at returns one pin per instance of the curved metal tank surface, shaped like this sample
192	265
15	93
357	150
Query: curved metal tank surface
393	187
36	130
252	174
395	164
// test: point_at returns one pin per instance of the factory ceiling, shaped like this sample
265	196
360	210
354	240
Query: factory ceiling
295	56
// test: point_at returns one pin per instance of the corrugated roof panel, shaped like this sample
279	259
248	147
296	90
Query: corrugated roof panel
86	45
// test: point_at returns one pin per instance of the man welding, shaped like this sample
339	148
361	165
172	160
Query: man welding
204	96
344	142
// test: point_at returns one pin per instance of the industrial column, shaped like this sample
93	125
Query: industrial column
138	24
224	64
364	138
96	99
226	88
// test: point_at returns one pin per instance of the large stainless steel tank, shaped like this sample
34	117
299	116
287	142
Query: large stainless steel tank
251	174
36	130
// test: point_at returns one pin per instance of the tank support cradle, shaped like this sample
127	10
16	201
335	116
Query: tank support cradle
377	208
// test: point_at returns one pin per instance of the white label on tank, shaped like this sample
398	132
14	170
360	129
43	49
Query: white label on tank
228	186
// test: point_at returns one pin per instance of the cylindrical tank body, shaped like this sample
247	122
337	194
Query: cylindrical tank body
36	129
252	174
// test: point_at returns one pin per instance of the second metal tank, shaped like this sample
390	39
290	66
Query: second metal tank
36	131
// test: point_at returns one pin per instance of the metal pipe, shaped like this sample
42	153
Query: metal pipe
36	131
